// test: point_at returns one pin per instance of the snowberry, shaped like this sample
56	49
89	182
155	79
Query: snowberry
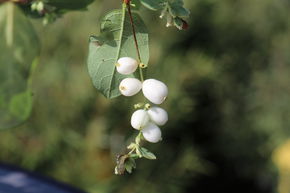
154	90
152	133
130	86
139	119
126	65
158	115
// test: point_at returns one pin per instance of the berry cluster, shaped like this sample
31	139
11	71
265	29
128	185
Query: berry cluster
149	118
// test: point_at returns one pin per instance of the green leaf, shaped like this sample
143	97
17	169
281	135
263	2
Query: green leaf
128	168
179	2
133	162
153	4
115	41
130	164
19	50
147	154
178	23
139	151
177	10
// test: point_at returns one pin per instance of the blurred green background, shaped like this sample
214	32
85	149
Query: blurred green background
229	104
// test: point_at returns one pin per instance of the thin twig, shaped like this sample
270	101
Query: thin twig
135	39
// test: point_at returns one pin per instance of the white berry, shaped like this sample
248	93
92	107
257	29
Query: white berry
158	115
152	133
126	65
154	90
130	86
139	119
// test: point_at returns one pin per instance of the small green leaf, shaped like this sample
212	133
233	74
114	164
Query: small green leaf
116	40
139	151
133	162
130	164
19	51
128	167
153	4
147	154
178	23
178	2
177	10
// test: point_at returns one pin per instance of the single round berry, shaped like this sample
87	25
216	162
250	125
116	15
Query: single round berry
154	90
152	133
126	65
158	115
130	86
139	119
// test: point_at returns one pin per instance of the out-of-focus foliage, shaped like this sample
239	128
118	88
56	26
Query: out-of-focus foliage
19	51
50	10
69	4
228	76
173	10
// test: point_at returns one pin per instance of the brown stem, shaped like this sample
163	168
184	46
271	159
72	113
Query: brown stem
134	31
135	40
127	1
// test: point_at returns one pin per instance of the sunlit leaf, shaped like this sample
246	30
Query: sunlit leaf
147	154
115	41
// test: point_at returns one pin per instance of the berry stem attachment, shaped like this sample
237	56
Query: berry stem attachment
135	39
136	145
